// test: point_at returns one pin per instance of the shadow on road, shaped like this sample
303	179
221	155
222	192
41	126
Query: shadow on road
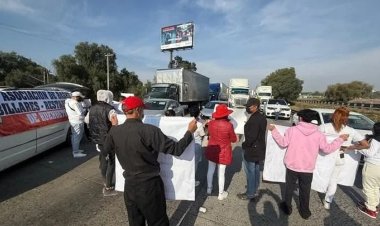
41	169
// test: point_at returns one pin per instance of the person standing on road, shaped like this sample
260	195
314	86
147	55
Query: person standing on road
303	143
198	138
277	111
339	126
102	117
137	146
253	148
371	173
219	150
76	115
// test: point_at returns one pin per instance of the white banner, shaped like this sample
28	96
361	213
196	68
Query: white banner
177	173
275	170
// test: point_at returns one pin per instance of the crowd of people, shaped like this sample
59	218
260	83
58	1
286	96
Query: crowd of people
137	146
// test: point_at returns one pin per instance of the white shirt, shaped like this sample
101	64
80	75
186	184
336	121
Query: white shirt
74	111
199	133
354	136
372	154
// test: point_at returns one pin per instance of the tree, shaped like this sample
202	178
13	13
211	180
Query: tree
18	71
284	83
178	62
348	91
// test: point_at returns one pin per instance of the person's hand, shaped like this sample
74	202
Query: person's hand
192	126
237	138
344	136
271	127
114	120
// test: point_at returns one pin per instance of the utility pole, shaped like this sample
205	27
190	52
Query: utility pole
108	70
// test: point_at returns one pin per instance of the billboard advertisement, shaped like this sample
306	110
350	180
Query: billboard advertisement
177	36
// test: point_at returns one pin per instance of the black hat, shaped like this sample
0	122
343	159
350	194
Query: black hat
376	131
253	101
308	115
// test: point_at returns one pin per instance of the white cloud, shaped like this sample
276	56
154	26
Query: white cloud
15	6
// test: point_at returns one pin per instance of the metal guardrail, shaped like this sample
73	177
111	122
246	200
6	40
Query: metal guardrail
353	105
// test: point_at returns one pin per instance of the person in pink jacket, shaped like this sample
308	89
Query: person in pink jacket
303	143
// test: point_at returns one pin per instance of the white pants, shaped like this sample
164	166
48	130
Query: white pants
333	183
77	130
210	174
371	185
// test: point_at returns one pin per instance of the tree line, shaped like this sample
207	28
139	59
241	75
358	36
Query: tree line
87	66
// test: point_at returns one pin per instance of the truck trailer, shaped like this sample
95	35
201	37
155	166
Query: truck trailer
187	87
218	91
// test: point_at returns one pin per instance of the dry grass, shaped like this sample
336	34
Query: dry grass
372	114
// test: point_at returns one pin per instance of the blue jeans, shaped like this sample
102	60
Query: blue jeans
252	171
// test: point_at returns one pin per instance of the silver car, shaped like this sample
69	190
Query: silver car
208	109
158	107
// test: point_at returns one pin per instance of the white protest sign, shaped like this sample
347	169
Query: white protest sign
177	173
275	170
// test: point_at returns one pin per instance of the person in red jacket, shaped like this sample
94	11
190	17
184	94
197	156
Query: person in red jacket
219	150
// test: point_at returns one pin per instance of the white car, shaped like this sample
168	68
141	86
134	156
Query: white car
271	106
355	120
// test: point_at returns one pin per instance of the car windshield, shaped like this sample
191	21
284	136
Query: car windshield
239	91
355	121
211	105
155	104
281	102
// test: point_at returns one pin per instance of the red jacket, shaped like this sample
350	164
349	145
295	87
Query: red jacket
221	134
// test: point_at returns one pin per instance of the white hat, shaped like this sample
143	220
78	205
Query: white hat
77	94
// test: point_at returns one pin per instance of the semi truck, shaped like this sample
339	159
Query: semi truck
218	91
238	92
264	93
189	88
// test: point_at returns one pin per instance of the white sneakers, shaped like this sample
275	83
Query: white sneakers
222	195
197	183
79	155
326	205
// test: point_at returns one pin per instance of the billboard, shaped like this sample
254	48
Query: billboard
178	36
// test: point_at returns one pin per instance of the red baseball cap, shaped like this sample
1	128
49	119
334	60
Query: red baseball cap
132	102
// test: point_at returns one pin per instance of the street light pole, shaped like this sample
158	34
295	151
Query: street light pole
108	70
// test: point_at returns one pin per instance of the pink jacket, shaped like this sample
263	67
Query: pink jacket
304	142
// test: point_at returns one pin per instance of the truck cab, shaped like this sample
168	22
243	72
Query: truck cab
164	91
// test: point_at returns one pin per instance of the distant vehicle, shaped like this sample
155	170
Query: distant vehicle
218	91
271	105
185	86
263	93
208	109
355	120
158	107
238	92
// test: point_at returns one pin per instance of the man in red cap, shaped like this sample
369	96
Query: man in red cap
137	146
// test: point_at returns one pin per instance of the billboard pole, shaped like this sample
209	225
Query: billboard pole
171	59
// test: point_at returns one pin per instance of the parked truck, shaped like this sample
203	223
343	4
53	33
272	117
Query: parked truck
238	92
264	93
218	91
189	88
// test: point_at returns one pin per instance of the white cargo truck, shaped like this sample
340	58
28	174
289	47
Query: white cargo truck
187	87
264	93
238	92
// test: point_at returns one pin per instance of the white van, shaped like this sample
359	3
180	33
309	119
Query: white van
31	121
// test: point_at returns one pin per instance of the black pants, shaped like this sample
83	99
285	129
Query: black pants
145	201
304	181
107	167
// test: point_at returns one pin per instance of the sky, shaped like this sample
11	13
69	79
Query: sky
327	42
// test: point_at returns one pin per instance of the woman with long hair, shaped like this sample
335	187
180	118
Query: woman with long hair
219	149
339	126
